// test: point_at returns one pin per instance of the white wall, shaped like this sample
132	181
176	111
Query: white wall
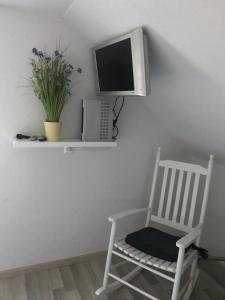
213	236
213	233
53	205
187	44
187	48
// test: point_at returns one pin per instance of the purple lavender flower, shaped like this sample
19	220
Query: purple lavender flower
35	52
51	75
40	54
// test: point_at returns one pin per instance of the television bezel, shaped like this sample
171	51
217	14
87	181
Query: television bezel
139	61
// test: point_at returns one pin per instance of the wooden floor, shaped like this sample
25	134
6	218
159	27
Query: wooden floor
79	281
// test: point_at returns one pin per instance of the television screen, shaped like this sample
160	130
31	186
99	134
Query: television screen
115	67
121	65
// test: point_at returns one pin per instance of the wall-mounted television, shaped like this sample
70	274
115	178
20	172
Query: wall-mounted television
122	66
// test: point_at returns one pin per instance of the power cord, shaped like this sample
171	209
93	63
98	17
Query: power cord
217	258
116	115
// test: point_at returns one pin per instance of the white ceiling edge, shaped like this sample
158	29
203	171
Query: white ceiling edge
49	7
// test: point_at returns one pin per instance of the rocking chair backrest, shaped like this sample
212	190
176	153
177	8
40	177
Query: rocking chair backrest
179	193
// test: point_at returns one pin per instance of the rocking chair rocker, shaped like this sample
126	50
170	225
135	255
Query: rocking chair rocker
176	209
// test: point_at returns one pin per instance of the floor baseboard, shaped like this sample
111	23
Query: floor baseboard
48	265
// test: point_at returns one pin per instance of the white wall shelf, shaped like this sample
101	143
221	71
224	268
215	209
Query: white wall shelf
67	145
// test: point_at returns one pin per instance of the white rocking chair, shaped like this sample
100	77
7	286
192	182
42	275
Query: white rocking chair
180	182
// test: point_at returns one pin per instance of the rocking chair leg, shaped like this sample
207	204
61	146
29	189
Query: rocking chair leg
193	272
108	260
193	278
176	285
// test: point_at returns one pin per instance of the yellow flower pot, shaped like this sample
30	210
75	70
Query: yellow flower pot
52	131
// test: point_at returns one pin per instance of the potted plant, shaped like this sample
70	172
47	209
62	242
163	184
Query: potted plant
51	84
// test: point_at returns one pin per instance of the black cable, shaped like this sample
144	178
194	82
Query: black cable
218	258
117	132
117	115
121	107
114	112
115	104
203	253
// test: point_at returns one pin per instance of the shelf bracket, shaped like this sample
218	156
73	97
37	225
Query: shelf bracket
68	150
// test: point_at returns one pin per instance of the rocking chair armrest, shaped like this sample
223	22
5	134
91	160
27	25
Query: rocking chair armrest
189	238
127	213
